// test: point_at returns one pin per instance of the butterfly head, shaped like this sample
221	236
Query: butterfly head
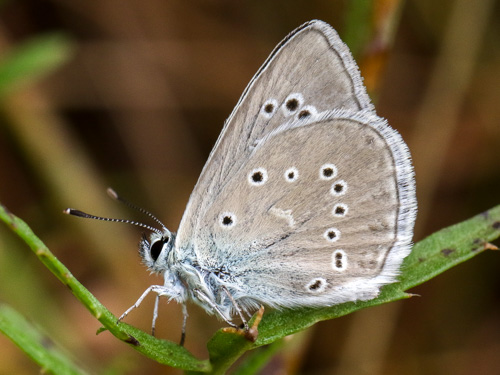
156	250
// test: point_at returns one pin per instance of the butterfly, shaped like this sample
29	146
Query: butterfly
307	198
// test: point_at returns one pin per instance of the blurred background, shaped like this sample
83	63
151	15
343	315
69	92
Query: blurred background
133	94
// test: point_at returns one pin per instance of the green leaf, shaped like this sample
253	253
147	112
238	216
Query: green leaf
429	258
32	60
35	344
259	358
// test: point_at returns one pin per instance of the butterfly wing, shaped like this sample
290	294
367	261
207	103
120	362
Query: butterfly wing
300	204
312	61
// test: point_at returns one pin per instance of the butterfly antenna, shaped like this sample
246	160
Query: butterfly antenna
71	211
113	194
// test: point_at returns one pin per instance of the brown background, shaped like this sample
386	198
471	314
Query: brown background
139	106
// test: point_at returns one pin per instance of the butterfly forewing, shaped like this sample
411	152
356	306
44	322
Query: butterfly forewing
312	65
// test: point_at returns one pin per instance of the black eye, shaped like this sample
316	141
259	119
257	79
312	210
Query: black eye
156	248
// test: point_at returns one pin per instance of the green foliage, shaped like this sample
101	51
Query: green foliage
35	344
32	60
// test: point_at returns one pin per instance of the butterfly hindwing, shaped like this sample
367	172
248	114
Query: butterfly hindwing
305	222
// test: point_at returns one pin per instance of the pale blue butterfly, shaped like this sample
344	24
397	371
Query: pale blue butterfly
307	199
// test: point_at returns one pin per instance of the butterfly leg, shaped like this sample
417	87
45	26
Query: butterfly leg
214	307
153	288
237	308
184	321
155	315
